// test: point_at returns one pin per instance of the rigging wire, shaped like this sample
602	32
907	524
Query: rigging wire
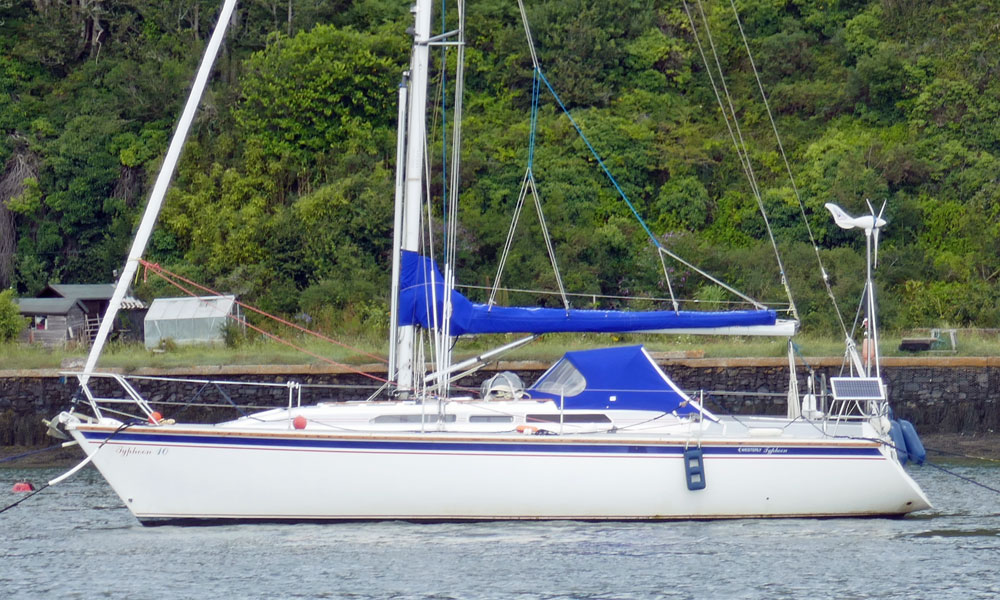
430	291
529	177
451	242
579	131
594	296
505	253
451	239
740	143
528	183
600	161
444	134
548	242
719	282
670	286
791	177
741	149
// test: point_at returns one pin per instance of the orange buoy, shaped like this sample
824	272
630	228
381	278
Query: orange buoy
529	429
155	418
299	422
23	486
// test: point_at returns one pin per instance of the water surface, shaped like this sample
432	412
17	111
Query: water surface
77	540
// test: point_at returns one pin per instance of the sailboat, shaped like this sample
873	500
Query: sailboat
603	434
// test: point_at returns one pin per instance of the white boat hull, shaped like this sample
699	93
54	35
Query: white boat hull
166	474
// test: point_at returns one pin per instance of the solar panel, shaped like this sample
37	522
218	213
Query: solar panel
857	388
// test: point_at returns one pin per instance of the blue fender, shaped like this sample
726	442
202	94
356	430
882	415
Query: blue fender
896	433
694	468
914	447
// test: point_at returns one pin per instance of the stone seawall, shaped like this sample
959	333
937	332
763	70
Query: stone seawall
940	395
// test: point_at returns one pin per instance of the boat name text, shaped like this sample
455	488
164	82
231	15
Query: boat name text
138	451
762	450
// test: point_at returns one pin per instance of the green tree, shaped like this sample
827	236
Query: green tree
312	101
11	321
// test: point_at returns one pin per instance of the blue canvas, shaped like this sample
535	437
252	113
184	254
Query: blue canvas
422	286
622	377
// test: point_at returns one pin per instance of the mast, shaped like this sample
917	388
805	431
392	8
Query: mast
397	222
413	186
145	230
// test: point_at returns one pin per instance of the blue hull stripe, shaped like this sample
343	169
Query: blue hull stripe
288	443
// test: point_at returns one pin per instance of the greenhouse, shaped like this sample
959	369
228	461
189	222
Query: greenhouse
197	320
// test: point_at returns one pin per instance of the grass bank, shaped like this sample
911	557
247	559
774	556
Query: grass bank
265	352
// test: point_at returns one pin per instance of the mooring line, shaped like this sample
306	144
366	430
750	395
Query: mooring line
963	477
72	471
20	500
960	455
37	451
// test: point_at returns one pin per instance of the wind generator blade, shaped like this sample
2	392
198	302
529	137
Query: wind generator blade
875	251
874	233
841	218
878	228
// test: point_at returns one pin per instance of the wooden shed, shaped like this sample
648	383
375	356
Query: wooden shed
95	298
53	321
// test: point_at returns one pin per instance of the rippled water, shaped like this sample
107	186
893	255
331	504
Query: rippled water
77	540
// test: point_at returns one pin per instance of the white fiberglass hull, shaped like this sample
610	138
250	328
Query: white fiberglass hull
204	473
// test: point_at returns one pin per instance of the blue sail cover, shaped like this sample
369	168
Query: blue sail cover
623	378
421	281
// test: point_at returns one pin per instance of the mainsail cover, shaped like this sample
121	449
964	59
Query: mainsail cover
422	286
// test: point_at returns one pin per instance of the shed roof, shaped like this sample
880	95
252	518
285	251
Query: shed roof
80	291
47	306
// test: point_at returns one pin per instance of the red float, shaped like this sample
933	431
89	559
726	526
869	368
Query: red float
299	422
23	486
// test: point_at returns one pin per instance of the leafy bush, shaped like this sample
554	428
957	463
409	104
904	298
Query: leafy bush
11	321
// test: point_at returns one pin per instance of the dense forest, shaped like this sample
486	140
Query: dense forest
285	189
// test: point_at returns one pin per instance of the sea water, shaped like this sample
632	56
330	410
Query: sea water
77	540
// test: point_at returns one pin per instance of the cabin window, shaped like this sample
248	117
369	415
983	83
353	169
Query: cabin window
568	418
491	419
386	419
562	380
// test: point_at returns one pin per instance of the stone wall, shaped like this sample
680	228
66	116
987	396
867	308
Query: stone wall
939	395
